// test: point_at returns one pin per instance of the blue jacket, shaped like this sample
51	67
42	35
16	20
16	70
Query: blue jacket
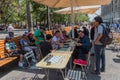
85	41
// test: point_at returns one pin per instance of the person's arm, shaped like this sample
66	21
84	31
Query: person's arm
36	39
8	48
98	38
85	44
22	43
55	42
100	31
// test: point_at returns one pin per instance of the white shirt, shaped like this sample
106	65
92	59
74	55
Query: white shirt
10	29
55	39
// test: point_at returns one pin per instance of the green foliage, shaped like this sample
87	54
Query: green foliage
15	11
81	17
12	11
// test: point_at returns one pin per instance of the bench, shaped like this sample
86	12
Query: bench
4	58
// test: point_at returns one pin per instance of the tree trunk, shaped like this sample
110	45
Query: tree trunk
29	16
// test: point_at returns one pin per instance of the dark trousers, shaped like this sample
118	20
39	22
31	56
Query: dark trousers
11	34
79	54
100	57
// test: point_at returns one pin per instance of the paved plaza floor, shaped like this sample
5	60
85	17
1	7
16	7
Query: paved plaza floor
112	71
15	73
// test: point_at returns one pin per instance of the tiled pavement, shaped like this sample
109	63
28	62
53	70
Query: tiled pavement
112	71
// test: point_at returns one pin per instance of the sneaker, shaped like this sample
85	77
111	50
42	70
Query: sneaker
20	64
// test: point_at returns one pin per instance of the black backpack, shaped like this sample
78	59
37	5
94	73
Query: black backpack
107	36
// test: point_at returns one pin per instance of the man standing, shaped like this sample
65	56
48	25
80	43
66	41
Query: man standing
99	47
39	37
10	30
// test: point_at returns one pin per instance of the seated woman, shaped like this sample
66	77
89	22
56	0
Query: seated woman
12	49
82	46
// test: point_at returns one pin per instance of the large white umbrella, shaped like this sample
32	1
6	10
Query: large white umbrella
71	3
67	3
82	9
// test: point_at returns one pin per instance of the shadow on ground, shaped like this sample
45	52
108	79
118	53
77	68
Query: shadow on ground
94	77
116	60
41	74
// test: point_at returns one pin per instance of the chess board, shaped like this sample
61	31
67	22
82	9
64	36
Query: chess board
55	59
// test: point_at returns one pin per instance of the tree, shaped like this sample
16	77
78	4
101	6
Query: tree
29	16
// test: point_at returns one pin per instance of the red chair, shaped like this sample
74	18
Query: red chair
84	65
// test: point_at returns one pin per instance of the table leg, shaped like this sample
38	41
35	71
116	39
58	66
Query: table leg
65	72
62	74
47	74
71	63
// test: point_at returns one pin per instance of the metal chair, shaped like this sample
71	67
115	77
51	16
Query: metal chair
29	55
84	65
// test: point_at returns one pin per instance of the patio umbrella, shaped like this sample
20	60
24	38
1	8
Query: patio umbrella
71	3
82	9
67	3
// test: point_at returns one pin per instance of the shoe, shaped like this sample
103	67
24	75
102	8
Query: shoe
20	64
102	70
96	73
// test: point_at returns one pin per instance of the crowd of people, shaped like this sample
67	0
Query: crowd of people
42	44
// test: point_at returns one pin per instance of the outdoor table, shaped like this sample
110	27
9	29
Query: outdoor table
55	64
68	46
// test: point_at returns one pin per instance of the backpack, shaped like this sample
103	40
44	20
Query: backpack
107	36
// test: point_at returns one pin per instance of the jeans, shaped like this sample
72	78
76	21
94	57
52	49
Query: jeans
100	57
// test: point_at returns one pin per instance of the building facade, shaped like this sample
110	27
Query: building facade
111	12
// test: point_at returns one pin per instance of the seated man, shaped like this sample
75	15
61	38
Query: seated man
25	43
31	39
56	40
82	46
11	48
26	47
46	46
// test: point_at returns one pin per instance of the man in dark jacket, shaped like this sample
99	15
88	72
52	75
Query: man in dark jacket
82	46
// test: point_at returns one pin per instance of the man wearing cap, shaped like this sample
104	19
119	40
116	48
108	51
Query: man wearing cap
98	46
11	48
39	37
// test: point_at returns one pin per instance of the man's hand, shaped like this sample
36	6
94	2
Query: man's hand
77	39
79	44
